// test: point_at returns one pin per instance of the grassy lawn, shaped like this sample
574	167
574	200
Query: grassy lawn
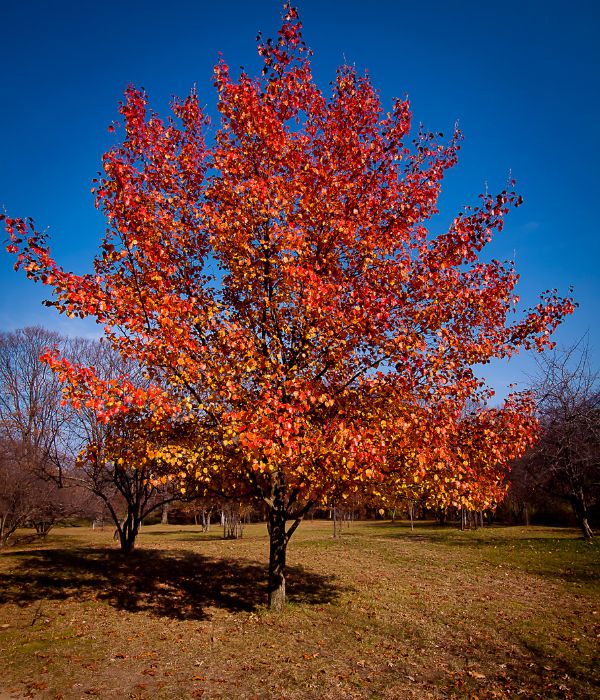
382	613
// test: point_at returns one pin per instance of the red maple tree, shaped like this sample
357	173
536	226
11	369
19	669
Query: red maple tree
284	294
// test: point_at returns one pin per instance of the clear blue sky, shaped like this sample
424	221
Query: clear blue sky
522	79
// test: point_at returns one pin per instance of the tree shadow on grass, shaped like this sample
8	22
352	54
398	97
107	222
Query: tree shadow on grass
185	535
546	667
178	585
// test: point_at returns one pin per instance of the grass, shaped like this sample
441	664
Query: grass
384	612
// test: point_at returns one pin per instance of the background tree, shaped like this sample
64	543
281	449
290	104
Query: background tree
32	416
565	464
201	509
331	304
33	497
525	495
33	435
18	499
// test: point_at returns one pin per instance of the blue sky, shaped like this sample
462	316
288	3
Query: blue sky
522	79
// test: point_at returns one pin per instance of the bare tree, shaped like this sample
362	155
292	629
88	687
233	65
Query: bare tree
33	433
32	416
566	461
17	501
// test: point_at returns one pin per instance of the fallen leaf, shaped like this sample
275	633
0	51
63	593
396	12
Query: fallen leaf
475	674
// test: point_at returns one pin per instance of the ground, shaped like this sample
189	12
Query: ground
384	612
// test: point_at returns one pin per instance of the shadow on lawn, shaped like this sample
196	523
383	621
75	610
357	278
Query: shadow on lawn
179	585
186	535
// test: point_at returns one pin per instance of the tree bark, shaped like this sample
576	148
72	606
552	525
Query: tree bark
586	529
128	532
336	516
581	514
282	506
277	552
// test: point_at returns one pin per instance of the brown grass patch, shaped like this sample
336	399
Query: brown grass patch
382	613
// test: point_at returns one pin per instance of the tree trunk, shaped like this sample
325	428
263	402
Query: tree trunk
206	525
127	540
43	527
164	519
581	514
128	533
277	551
338	521
586	529
279	511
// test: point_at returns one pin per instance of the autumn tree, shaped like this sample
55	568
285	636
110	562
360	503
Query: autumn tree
281	288
201	510
121	470
129	463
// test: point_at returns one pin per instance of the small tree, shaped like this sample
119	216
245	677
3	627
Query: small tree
332	303
131	486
